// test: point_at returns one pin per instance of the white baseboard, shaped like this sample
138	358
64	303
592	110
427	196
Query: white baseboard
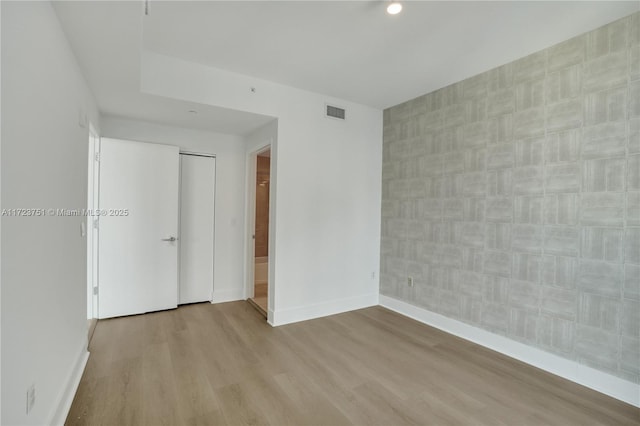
303	313
586	376
69	391
221	296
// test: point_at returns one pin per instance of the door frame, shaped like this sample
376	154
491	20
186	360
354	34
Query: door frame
252	167
93	197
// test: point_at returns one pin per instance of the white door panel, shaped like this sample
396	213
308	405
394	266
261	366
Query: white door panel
138	272
196	228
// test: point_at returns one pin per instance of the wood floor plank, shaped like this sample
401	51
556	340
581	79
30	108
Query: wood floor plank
206	364
318	408
237	408
159	399
194	394
123	397
89	411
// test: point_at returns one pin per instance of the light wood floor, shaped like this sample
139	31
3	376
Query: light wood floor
223	364
259	299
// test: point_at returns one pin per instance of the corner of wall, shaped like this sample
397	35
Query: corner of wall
586	376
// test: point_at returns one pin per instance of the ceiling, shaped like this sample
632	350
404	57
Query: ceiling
347	49
106	39
355	51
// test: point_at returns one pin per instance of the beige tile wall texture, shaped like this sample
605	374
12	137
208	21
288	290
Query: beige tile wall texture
513	200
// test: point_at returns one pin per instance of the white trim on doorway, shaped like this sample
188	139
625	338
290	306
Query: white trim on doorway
93	193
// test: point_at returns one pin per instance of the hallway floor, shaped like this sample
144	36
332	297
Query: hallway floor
260	297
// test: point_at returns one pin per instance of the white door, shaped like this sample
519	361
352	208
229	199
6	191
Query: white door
138	250
197	177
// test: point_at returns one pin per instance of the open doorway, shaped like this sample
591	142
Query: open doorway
261	232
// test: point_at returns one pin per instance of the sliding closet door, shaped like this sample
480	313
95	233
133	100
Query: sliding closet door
197	195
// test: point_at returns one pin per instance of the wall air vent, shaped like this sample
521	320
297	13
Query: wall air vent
335	112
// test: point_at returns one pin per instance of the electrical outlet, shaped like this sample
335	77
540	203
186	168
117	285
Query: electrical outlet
31	397
410	281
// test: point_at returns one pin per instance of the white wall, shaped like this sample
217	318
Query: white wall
45	107
327	223
230	186
262	136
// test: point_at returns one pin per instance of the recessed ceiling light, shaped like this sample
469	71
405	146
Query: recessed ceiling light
394	8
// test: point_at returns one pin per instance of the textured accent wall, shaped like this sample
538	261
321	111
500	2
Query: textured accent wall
513	200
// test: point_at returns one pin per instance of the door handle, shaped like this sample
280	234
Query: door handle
170	239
